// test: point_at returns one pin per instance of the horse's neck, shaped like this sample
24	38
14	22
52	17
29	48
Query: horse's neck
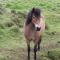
32	27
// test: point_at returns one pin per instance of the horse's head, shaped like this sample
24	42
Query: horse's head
34	17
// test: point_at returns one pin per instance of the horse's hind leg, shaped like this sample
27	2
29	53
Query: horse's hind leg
28	51
39	43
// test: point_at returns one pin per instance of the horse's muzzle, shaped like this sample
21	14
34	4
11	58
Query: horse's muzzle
38	28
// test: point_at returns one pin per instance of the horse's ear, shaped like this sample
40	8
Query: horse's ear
33	9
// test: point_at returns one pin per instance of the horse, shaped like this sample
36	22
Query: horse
34	27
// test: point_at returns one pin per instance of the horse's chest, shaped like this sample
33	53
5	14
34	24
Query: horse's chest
32	35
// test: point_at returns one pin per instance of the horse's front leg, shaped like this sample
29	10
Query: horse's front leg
28	51
39	43
35	50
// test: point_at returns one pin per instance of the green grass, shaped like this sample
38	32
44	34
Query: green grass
54	54
11	38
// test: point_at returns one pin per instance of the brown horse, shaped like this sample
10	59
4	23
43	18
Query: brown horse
33	29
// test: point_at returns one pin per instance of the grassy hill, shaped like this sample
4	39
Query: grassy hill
12	41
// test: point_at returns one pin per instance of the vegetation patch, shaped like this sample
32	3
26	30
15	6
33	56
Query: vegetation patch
54	54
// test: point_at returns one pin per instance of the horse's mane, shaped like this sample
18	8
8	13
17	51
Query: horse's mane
36	12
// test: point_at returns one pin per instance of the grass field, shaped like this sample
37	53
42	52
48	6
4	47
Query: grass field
12	41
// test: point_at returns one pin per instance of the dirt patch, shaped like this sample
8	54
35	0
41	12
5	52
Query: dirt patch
13	54
16	54
21	53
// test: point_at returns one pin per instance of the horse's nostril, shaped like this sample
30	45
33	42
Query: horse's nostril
38	28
